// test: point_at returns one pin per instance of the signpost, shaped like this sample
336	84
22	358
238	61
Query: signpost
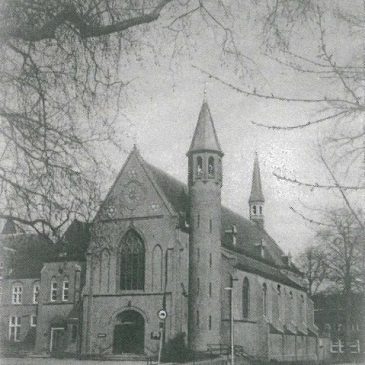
162	314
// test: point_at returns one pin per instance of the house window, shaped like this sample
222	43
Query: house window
210	260
211	171
132	262
33	320
198	220
54	289
260	210
14	328
35	293
197	318
65	290
17	294
254	209
199	167
245	298
264	299
210	290
210	322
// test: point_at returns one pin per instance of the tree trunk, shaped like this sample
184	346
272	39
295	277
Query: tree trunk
347	317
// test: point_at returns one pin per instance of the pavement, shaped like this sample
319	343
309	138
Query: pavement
50	361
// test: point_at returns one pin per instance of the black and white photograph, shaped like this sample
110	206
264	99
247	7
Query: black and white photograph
182	182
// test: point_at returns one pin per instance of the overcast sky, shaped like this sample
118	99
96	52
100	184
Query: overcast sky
163	104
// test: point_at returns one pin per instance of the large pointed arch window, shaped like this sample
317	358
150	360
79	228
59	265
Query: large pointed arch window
132	262
245	298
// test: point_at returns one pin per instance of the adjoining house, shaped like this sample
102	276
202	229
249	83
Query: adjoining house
158	244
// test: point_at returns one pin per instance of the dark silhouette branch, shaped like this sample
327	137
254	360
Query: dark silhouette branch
70	15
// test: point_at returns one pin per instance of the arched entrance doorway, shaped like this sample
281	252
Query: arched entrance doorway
129	333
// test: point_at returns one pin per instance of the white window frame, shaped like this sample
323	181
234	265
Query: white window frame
52	336
14	328
65	290
33	320
36	288
54	290
17	292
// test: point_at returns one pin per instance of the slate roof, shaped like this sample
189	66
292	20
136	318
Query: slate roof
75	241
256	188
249	234
205	137
27	254
252	265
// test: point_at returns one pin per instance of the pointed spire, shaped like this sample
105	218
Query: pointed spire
10	227
256	189
205	137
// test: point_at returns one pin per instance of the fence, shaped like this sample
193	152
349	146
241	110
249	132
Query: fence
338	347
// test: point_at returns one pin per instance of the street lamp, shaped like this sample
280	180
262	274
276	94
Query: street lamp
230	289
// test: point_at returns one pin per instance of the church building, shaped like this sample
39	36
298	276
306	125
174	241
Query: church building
159	244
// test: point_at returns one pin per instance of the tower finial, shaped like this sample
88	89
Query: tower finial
205	91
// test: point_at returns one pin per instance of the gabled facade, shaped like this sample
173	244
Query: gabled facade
158	244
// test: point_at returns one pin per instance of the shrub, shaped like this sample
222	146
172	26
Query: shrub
175	350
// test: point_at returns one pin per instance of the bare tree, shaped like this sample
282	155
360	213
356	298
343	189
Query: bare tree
312	262
336	258
60	74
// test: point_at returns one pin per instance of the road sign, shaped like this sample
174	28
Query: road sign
162	314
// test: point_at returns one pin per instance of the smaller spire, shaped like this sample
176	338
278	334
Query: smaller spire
10	227
256	189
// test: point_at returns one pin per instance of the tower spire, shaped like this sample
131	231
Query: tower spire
256	200
205	136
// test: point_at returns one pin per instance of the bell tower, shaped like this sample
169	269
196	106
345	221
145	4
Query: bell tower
257	200
205	183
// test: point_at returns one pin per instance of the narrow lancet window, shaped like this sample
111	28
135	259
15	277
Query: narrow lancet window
199	167
211	169
245	298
